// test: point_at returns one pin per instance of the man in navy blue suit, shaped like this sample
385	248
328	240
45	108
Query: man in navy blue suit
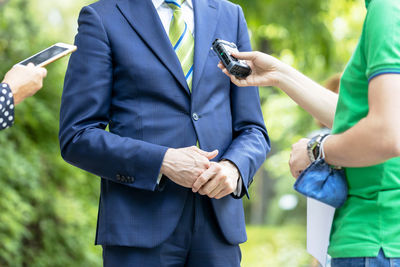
144	68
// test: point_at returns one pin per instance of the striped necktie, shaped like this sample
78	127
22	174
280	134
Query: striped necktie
182	40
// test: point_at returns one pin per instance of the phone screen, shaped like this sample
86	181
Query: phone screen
44	55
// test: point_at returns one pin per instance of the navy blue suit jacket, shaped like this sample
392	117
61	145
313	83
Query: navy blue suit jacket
126	74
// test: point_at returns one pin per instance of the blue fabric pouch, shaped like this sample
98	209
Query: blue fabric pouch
323	183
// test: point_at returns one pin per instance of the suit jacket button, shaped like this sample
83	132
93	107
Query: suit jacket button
195	116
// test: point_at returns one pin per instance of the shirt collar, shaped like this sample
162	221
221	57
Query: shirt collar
190	3
158	3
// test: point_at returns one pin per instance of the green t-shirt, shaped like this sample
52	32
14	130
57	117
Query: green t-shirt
370	218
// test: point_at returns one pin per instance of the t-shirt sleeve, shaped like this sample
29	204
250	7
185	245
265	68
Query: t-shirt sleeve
382	38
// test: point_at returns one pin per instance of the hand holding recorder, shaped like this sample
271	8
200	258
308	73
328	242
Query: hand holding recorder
265	69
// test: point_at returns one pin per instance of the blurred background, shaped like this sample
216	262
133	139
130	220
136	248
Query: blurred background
48	209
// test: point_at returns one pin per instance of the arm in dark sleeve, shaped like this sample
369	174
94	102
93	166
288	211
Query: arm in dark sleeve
251	144
85	112
6	106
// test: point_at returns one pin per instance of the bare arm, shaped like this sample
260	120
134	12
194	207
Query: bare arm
373	140
376	138
315	99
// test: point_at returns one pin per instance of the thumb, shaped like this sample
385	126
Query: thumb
43	72
245	55
212	154
208	155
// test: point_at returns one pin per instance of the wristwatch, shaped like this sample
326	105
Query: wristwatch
314	147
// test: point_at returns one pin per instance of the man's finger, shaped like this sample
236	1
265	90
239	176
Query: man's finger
217	190
213	186
203	179
222	194
212	154
208	155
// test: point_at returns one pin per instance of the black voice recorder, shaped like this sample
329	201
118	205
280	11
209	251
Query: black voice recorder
224	49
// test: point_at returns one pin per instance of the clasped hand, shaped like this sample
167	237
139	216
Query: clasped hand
191	167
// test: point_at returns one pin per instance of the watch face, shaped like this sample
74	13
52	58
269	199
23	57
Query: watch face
313	147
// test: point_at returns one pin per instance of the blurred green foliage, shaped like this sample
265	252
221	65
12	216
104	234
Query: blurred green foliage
275	246
48	209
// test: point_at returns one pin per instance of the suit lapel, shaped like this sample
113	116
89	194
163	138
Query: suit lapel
143	17
206	18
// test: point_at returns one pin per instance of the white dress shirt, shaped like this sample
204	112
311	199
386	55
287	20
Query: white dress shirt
165	12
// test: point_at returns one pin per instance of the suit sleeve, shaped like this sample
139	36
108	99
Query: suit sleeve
84	115
250	143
